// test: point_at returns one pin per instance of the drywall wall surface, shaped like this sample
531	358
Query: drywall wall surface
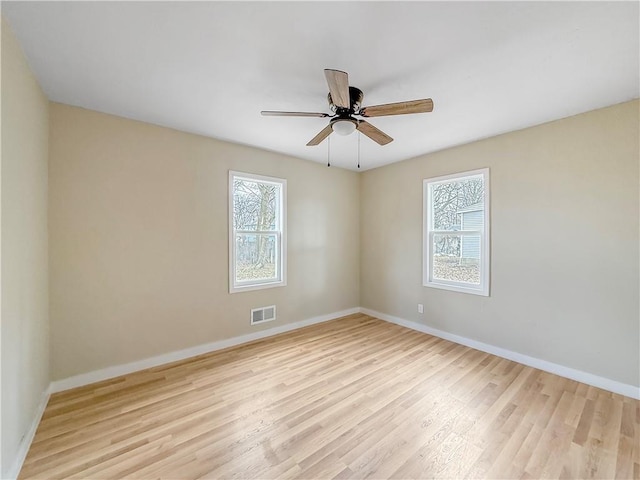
25	322
564	246
139	240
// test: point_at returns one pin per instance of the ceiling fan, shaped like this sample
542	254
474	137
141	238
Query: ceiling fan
345	103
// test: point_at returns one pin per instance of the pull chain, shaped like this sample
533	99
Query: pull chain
359	135
328	151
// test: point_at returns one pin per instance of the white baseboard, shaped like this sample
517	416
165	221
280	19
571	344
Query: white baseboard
567	372
557	369
25	444
117	370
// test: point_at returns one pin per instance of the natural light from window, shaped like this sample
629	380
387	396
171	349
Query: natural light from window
456	232
257	232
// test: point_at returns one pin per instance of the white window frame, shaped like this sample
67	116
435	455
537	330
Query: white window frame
428	232
281	234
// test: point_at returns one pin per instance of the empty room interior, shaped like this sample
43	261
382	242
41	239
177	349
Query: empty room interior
320	240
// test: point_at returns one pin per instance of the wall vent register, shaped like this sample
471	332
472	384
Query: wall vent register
263	314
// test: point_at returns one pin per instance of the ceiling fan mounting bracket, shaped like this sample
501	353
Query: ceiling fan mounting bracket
355	100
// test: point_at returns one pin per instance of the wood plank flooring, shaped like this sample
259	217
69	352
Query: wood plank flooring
351	398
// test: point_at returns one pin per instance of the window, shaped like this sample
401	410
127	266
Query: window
257	232
456	232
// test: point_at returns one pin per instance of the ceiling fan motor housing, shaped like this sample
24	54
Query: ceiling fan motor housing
355	99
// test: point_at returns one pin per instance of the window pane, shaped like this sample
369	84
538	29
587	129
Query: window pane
255	205
456	258
256	257
458	204
456	232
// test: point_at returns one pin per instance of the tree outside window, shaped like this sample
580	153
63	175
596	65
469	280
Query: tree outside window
257	240
456	242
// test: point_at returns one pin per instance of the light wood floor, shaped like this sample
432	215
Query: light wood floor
351	398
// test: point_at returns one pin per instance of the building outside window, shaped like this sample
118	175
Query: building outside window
456	237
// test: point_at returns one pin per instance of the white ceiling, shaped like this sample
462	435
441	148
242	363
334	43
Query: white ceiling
211	67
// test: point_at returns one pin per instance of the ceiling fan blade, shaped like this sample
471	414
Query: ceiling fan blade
338	82
270	113
374	133
324	133
400	108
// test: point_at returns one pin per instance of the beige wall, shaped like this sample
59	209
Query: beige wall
24	321
139	240
139	245
564	220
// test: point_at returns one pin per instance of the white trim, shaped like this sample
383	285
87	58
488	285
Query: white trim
117	370
485	236
25	444
555	368
281	281
456	175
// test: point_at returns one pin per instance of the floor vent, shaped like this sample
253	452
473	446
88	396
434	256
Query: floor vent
263	314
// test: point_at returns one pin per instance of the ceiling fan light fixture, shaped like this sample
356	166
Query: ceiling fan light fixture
344	127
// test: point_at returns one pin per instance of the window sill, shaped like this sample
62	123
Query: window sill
257	286
484	292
